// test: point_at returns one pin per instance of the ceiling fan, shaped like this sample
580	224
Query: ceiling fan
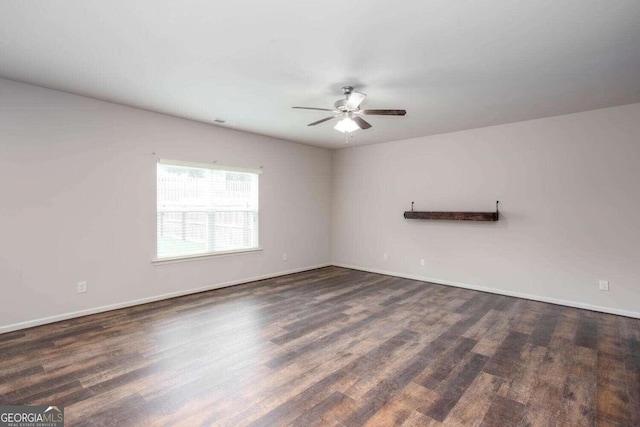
348	110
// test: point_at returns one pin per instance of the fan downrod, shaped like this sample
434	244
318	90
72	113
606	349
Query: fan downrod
346	90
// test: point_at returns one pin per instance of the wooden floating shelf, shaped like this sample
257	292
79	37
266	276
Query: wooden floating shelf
454	216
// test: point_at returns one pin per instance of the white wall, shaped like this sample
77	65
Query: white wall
569	189
77	202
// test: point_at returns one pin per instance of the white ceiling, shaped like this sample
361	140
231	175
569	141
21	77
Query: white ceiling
452	64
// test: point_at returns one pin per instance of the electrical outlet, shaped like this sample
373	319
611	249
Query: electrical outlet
603	285
422	261
285	257
385	257
82	287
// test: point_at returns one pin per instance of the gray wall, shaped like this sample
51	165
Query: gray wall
77	186
569	188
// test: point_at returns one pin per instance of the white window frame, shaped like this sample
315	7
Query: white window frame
214	254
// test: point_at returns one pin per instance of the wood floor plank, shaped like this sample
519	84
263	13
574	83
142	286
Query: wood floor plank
331	347
452	391
472	406
417	419
440	370
586	335
543	332
505	361
503	412
401	407
314	416
545	402
289	410
388	386
523	378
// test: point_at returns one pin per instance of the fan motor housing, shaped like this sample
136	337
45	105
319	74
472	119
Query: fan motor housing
341	105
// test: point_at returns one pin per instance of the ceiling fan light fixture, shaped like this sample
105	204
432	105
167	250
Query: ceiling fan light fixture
348	111
346	125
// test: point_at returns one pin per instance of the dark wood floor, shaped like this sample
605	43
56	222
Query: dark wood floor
332	347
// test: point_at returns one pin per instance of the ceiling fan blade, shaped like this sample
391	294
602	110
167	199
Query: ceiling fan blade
321	121
354	100
362	123
313	108
385	112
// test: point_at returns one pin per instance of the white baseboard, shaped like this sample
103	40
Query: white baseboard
87	312
573	304
66	316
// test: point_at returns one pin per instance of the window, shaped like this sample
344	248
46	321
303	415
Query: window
205	209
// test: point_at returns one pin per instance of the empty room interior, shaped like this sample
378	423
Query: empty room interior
337	213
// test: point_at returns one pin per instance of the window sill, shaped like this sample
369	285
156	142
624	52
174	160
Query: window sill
204	256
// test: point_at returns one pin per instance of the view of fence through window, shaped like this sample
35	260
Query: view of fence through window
205	210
